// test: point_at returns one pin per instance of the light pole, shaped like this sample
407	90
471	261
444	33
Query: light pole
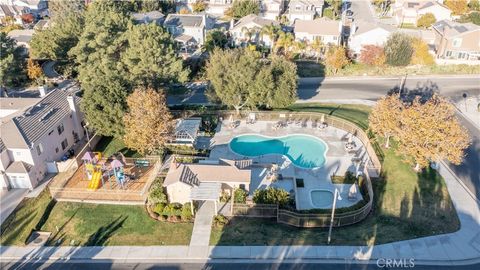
465	100
402	84
335	196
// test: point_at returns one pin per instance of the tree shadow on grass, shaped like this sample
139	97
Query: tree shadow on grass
101	236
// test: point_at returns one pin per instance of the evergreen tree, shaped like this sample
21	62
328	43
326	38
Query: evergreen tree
98	55
150	59
242	8
12	62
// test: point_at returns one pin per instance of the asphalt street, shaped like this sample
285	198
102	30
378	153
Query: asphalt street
221	266
371	88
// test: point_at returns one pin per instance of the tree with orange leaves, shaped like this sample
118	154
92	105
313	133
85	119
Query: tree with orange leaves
148	122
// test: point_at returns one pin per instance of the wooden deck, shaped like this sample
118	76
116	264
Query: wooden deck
134	191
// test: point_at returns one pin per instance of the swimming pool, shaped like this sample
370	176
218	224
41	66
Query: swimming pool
321	198
303	150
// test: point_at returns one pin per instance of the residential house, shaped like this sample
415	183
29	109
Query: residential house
148	17
459	41
248	29
36	7
272	9
427	35
214	7
36	135
304	9
22	37
324	29
187	182
12	14
42	25
187	29
367	33
408	12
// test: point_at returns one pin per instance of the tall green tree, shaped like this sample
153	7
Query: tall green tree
240	78
12	62
242	8
398	49
277	84
215	38
98	55
62	35
149	59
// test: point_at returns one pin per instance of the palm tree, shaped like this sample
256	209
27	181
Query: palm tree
272	31
300	46
317	46
250	32
286	42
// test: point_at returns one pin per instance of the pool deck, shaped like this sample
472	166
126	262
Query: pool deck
337	163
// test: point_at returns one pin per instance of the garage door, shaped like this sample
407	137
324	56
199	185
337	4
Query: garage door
17	181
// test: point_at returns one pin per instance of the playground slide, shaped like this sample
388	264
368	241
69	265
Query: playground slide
96	180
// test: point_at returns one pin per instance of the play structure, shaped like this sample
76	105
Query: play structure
98	171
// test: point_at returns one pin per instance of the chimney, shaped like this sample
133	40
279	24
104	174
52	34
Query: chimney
43	90
76	118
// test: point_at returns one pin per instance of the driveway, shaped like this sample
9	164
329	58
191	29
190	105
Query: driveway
9	201
362	10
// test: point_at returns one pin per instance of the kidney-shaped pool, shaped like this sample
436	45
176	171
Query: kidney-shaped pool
303	150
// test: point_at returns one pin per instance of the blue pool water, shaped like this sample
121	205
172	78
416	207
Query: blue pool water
304	151
321	198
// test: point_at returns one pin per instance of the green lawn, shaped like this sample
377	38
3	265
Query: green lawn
110	145
91	224
310	68
407	205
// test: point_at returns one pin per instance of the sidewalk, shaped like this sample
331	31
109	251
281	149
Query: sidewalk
461	247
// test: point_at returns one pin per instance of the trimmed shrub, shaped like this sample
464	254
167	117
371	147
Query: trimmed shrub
186	212
158	209
224	197
272	196
240	195
220	220
157	194
398	49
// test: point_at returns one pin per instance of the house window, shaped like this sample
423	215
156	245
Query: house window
335	38
457	42
56	149
39	149
449	53
298	8
60	129
64	144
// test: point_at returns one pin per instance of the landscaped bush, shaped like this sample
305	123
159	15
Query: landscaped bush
187	212
220	220
159	207
240	195
272	196
349	178
224	197
157	194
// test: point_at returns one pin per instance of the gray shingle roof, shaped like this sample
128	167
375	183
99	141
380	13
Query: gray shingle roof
148	16
26	129
19	167
184	20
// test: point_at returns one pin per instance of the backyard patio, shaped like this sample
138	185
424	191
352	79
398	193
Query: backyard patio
339	159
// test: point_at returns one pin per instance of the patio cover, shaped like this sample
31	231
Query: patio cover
206	191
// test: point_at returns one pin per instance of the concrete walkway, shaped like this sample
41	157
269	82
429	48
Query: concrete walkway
9	200
203	225
458	248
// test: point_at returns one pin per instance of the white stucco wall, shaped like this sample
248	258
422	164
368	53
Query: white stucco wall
179	192
375	37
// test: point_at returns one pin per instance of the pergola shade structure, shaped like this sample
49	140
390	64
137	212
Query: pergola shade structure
206	191
186	130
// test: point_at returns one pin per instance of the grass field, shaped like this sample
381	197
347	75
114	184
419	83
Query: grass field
407	205
110	145
91	224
